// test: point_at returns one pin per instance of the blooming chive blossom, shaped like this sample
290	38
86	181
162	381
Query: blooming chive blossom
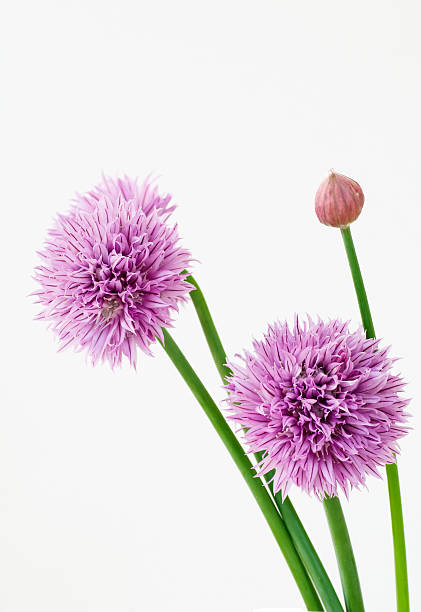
321	403
112	271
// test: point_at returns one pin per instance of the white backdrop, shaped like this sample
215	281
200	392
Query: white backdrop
115	493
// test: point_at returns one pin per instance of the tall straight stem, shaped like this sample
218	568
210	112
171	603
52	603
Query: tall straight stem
308	554
358	283
399	548
296	529
344	555
245	466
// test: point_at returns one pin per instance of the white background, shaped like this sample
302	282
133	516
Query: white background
115	493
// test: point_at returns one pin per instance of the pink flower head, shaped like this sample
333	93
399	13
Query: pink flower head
321	403
112	271
339	200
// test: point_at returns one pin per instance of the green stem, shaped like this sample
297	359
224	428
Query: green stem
245	466
401	571
402	589
208	326
296	529
344	555
309	555
358	283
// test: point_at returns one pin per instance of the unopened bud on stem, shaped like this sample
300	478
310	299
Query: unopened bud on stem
339	200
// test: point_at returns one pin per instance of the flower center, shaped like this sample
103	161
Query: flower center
110	306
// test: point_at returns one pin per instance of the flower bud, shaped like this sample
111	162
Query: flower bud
339	200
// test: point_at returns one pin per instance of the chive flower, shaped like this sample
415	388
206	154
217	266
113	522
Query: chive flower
112	271
321	403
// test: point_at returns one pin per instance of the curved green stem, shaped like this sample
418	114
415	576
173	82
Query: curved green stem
344	555
399	548
296	529
209	329
245	466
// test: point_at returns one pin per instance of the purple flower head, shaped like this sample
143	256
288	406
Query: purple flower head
321	403
112	268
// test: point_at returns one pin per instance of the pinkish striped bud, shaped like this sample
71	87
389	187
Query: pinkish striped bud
339	200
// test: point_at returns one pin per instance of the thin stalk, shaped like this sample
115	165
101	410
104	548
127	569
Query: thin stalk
245	466
358	283
296	529
209	329
402	588
344	555
309	555
395	502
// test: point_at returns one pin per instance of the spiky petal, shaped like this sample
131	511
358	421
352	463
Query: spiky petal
112	268
321	403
